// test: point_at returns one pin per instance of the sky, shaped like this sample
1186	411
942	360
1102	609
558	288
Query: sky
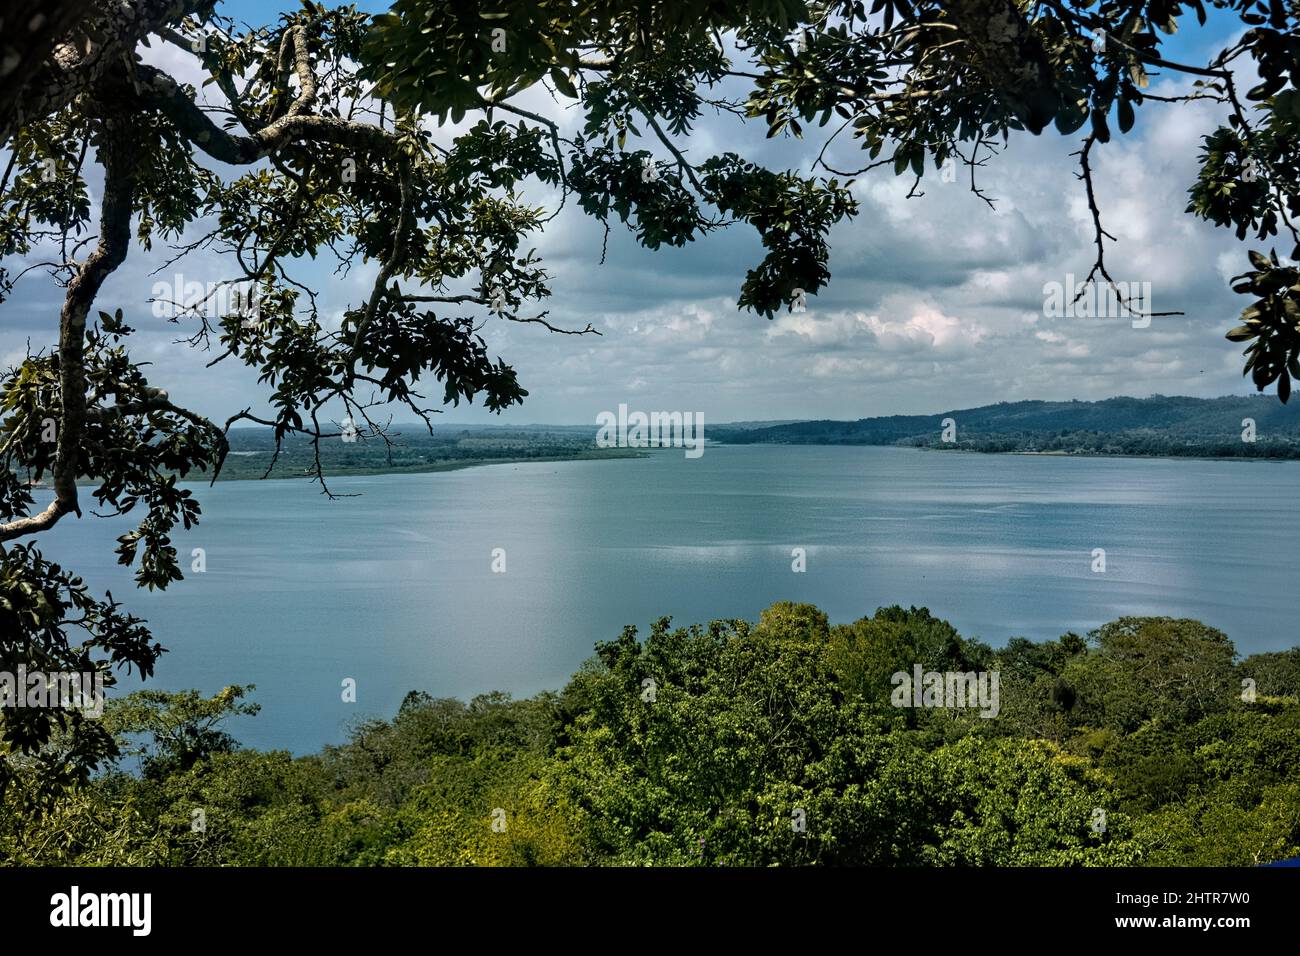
935	302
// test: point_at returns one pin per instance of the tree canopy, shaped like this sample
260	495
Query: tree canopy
322	146
733	744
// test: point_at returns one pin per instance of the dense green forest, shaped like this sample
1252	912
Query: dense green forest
730	744
1159	425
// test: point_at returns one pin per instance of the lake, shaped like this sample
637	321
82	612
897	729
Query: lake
396	588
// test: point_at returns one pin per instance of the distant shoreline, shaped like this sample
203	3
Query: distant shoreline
361	472
625	454
1099	454
1090	454
450	465
980	451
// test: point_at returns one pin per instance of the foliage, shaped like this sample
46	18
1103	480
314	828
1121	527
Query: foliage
732	744
184	727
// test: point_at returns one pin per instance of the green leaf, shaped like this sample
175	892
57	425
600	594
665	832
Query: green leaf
563	83
1069	118
1099	126
1126	116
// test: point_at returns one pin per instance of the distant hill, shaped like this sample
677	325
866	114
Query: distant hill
1159	425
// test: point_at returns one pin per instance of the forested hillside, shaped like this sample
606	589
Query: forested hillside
1158	425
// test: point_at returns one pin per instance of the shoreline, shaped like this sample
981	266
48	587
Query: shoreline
1074	454
627	454
1031	454
458	464
455	464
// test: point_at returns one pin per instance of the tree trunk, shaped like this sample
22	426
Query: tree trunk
47	56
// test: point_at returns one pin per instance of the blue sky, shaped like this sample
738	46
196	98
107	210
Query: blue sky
935	302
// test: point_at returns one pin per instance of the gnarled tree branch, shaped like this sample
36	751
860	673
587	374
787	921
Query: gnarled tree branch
114	241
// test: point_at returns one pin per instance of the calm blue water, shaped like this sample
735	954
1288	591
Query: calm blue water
395	588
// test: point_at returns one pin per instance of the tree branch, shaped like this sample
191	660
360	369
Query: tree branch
115	238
